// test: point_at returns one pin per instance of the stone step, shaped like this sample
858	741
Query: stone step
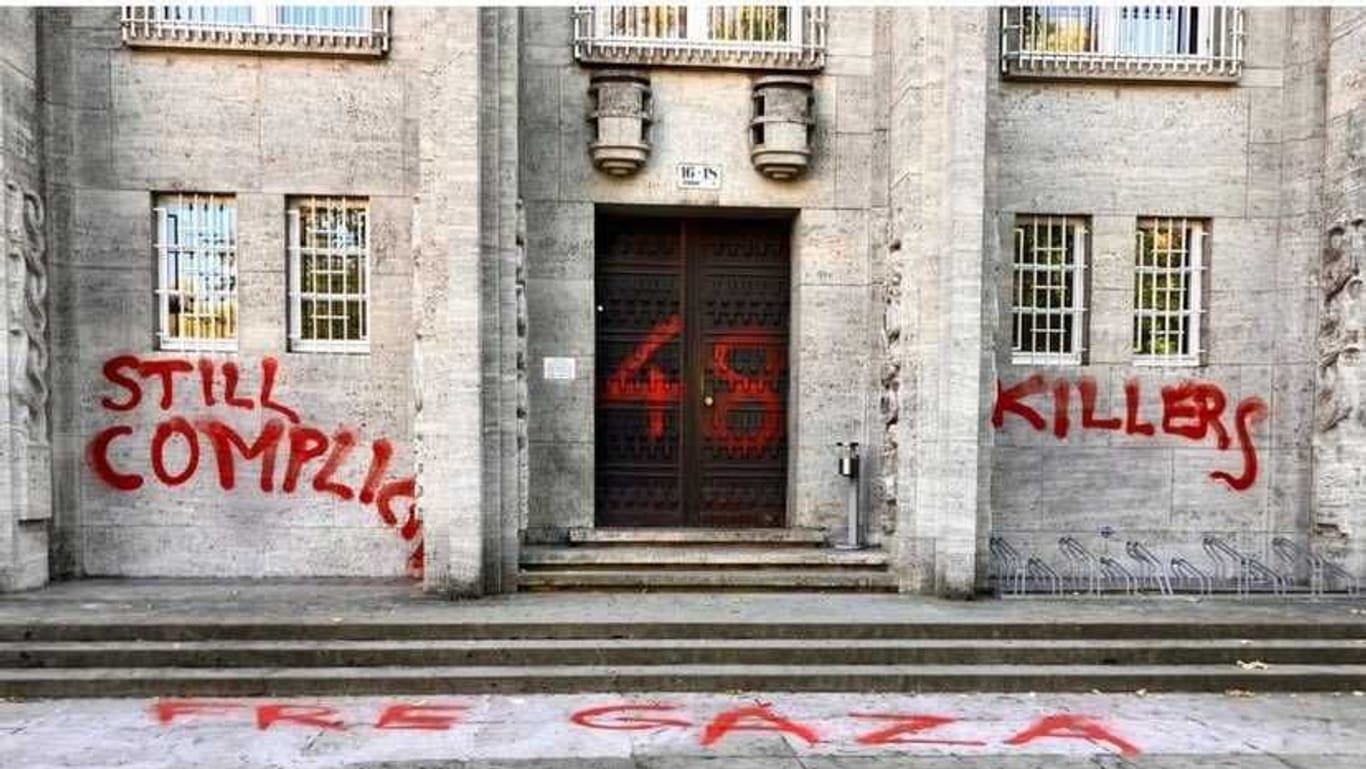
302	654
339	681
852	579
696	536
706	556
586	628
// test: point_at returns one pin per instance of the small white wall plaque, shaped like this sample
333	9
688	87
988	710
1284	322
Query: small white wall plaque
699	176
559	369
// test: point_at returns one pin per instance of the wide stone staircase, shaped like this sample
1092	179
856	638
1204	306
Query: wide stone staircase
702	559
313	656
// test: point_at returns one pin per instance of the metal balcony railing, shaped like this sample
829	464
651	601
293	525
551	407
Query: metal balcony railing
790	37
1145	42
347	30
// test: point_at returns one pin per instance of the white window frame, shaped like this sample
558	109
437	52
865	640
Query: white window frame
297	340
197	267
1073	272
1190	289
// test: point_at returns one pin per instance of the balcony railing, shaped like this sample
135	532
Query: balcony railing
1146	42
346	30
787	37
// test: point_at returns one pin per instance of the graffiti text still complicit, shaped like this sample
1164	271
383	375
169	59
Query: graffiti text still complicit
283	431
1190	409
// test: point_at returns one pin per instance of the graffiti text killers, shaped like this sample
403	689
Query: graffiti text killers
1190	409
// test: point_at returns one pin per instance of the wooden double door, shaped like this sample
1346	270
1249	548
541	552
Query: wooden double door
691	372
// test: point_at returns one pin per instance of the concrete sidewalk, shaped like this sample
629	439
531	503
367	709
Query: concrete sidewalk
313	601
679	731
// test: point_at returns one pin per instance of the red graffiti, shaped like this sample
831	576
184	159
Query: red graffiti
1009	400
1072	727
656	391
269	715
620	721
98	456
903	726
1191	410
167	711
175	446
638	380
758	718
740	388
312	716
899	729
427	718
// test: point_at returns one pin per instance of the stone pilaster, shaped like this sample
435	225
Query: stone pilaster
1340	407
25	448
503	319
937	147
447	301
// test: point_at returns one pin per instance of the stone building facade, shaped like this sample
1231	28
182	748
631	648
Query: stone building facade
608	283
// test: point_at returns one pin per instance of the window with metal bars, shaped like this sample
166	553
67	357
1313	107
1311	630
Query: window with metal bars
1048	290
345	30
697	34
329	274
1174	42
196	253
1169	270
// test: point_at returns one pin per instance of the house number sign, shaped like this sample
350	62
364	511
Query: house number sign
699	176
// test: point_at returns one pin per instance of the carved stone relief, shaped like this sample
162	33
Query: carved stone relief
26	251
1340	332
523	399
889	404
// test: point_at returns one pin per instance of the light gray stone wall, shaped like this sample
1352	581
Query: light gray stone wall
26	481
702	116
471	141
127	123
1241	156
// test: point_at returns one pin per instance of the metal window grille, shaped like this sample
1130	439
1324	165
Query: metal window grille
1169	267
788	36
1048	290
1201	42
329	274
196	253
340	29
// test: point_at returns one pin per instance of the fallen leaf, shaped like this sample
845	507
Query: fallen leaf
1253	665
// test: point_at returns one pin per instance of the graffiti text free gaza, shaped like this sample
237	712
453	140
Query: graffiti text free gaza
282	433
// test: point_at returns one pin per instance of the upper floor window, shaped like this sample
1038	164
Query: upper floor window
1166	42
1048	290
1169	273
329	274
196	252
762	36
355	30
